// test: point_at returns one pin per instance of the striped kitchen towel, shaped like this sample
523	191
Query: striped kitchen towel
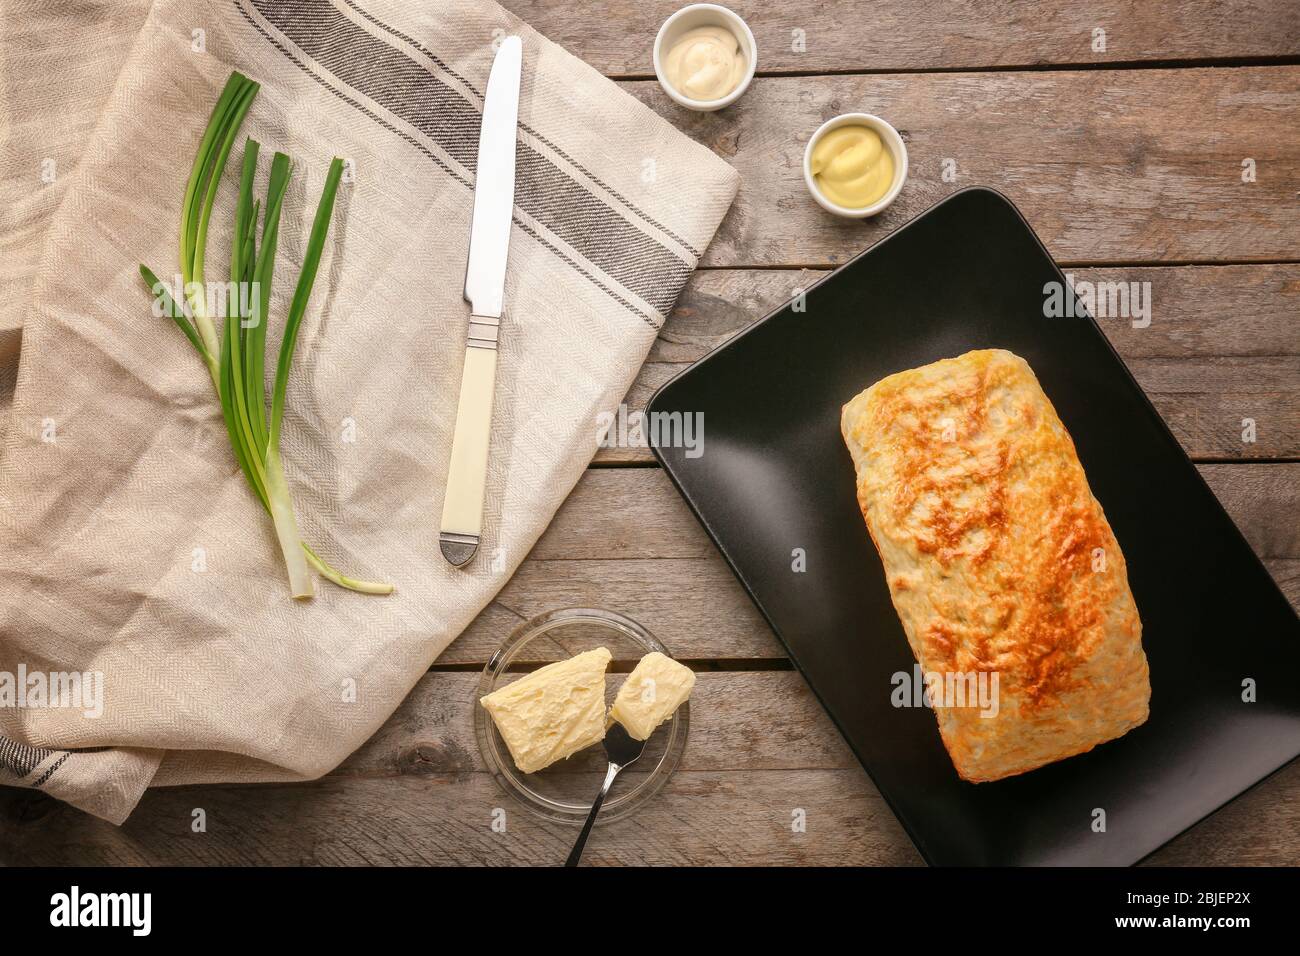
146	633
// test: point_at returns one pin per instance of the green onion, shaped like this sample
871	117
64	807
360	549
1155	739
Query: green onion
236	359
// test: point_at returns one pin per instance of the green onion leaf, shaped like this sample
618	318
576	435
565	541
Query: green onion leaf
236	359
172	309
306	278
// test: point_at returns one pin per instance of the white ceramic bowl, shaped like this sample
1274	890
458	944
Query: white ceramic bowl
704	15
893	142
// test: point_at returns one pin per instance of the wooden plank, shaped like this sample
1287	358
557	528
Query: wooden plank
850	36
700	818
626	540
694	605
760	748
1264	501
1108	166
757	720
1222	346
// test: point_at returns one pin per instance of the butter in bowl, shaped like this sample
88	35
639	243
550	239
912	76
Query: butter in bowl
540	730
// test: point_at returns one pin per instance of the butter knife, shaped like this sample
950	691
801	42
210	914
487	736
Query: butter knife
485	280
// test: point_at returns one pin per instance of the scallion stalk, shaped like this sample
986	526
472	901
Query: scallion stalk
236	359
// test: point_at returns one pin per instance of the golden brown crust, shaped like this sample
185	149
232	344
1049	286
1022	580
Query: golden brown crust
999	560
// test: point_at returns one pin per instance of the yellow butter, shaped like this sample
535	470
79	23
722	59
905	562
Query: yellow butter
657	686
852	166
553	712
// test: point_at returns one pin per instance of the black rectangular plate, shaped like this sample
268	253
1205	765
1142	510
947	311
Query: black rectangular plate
774	476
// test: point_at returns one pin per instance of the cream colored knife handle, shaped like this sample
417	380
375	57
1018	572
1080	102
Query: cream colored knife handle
462	508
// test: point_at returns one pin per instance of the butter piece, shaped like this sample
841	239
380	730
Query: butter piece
651	694
553	712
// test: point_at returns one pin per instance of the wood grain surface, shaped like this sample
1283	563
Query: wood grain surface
852	36
1108	166
761	749
1126	159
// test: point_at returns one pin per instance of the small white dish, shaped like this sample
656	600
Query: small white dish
893	142
704	15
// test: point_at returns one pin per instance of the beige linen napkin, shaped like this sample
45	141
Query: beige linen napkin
58	64
130	545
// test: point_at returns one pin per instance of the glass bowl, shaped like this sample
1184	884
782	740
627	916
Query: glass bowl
564	791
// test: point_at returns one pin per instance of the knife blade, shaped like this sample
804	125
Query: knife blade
485	280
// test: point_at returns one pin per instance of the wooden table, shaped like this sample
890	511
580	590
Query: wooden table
1127	160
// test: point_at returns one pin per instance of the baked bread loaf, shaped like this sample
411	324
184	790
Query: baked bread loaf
1000	563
